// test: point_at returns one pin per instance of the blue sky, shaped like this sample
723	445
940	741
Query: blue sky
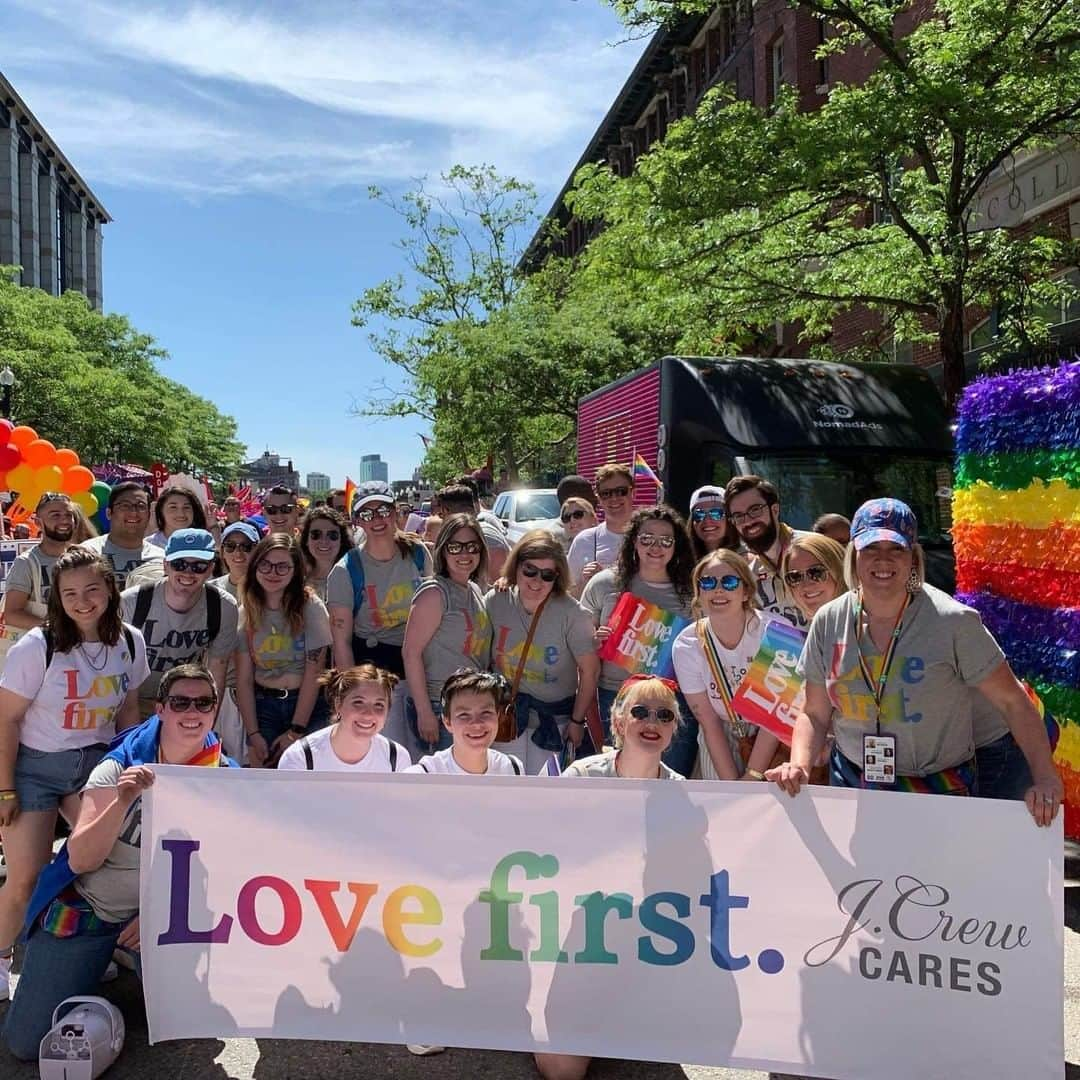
234	142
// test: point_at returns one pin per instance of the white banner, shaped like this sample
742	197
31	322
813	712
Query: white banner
838	934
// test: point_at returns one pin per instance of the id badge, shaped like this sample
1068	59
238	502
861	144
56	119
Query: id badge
879	759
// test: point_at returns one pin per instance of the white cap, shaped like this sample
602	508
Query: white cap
706	493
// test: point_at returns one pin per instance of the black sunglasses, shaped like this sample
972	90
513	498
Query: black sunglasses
816	573
577	515
643	712
280	508
232	546
531	571
330	534
456	547
614	493
180	703
190	566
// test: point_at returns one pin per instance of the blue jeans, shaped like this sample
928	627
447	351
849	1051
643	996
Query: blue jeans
275	714
681	755
55	969
411	718
1003	770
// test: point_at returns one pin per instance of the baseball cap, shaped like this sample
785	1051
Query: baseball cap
884	519
249	532
190	544
707	492
372	491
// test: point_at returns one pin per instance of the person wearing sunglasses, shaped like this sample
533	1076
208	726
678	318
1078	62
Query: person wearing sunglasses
370	590
448	628
324	538
184	619
654	564
710	529
66	689
558	672
575	515
598	547
753	508
711	657
281	510
86	902
890	667
285	631
813	571
124	546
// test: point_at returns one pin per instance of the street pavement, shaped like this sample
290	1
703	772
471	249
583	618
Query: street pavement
274	1059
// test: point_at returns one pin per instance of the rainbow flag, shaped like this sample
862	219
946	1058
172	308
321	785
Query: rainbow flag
641	638
350	492
642	470
1016	526
771	694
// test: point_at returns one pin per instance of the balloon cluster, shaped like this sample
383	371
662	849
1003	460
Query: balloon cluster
31	466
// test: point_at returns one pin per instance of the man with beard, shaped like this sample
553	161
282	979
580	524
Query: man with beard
125	547
753	507
27	590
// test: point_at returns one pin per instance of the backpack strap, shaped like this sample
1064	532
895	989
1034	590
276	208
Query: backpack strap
309	758
418	556
424	767
143	599
129	637
516	766
355	565
213	613
50	645
393	756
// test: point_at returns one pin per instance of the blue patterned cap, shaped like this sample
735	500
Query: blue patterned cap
884	519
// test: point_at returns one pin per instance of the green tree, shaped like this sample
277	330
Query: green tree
91	382
744	217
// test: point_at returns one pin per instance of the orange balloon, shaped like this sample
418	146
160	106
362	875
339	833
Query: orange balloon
87	501
39	453
80	478
66	459
22	436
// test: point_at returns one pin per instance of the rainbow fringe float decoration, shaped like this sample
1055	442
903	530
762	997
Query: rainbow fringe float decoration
1016	531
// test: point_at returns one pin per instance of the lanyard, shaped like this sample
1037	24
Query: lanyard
877	686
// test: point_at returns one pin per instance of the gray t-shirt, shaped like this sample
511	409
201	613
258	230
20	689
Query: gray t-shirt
31	573
123	560
943	650
389	586
179	637
563	634
601	595
112	890
463	637
225	585
275	651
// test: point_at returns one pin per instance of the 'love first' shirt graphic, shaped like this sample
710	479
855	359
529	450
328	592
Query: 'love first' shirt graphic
849	694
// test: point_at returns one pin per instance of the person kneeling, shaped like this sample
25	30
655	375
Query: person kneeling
86	902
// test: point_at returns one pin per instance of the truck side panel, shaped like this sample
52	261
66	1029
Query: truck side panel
615	424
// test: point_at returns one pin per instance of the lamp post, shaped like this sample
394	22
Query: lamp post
7	381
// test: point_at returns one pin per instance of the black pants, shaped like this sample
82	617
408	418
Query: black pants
387	657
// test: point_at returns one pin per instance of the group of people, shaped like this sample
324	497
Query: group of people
296	648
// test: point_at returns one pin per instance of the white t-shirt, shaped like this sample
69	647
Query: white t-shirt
499	764
376	760
598	544
74	703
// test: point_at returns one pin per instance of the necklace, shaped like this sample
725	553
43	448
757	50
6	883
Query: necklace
92	661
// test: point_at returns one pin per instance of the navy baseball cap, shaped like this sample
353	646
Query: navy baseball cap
190	544
884	519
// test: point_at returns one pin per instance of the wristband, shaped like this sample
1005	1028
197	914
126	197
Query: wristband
298	729
755	775
8	796
249	735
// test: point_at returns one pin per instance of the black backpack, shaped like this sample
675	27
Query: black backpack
309	758
145	597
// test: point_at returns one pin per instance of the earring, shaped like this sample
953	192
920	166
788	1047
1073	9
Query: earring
913	582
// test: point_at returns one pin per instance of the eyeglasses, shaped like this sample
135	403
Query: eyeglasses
576	515
750	514
382	512
191	566
815	573
280	508
643	712
470	547
233	546
330	534
531	571
126	507
729	582
714	513
652	540
180	703
614	493
277	569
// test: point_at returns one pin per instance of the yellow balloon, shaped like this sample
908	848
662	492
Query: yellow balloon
86	502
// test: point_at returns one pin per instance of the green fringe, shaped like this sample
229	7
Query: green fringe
1013	472
1061	701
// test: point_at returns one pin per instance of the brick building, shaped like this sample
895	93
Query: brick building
755	47
50	220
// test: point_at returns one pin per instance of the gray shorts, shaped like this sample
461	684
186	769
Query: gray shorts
44	777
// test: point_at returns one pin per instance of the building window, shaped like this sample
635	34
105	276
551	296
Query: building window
776	67
823	61
983	333
729	30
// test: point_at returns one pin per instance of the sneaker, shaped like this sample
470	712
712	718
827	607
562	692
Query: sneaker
111	972
424	1051
5	977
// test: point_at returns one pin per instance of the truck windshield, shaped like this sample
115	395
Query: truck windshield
811	485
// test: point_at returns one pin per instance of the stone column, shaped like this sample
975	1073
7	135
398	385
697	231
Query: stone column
75	246
29	223
10	251
47	272
93	262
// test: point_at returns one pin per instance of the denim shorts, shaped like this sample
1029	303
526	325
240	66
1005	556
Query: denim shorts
274	713
44	777
413	720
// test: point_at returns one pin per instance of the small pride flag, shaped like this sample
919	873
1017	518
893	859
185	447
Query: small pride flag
350	493
642	470
641	638
770	693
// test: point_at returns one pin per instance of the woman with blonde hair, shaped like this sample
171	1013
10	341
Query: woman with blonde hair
542	643
711	657
813	570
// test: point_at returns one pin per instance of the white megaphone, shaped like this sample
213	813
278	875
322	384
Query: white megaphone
84	1043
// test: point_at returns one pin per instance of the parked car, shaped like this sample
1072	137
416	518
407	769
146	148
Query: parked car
525	509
